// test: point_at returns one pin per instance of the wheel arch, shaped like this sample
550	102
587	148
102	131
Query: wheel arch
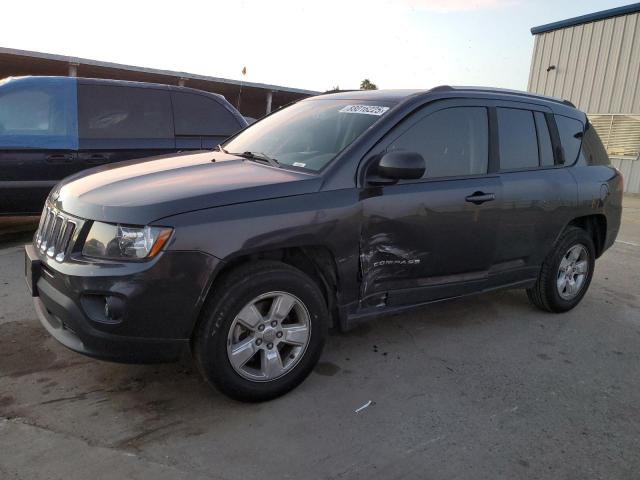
596	226
316	261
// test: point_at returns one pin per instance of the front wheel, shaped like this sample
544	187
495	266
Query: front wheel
262	332
566	273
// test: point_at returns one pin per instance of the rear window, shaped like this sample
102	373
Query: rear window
518	144
109	112
201	115
38	113
570	131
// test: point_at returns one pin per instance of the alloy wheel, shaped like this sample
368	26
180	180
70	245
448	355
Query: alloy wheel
269	336
572	272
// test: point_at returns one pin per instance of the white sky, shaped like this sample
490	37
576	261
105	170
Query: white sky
300	43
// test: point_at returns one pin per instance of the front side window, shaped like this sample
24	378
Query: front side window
308	134
201	115
518	143
109	112
570	131
453	142
38	113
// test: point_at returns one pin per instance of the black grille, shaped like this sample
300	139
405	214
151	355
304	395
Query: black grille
55	233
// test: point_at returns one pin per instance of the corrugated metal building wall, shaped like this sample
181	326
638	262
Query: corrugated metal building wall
594	61
597	65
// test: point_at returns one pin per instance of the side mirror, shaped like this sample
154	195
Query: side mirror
401	165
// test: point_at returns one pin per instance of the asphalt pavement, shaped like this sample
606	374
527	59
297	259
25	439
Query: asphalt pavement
481	388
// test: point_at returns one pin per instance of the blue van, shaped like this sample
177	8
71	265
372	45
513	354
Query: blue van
52	127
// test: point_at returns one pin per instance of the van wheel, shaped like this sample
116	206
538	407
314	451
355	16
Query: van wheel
262	331
566	273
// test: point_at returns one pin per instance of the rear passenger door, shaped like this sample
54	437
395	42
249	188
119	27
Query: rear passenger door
201	121
539	194
122	122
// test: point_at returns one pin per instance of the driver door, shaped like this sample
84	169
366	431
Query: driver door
434	237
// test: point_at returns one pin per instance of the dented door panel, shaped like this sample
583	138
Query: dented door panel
425	235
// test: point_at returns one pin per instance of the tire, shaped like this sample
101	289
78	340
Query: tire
553	290
224	333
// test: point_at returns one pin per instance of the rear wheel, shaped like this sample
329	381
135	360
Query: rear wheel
262	332
566	273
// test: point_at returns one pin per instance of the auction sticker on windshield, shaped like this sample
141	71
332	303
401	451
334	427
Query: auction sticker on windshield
364	109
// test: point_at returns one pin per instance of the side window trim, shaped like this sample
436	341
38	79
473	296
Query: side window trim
558	153
535	126
494	145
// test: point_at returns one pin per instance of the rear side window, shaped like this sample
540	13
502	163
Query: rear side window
570	131
110	112
453	142
201	115
38	113
518	144
544	140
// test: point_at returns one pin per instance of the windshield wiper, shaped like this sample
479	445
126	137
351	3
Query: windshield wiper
220	148
259	156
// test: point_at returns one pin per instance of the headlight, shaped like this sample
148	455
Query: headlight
124	242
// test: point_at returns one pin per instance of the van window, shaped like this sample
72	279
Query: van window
201	115
570	131
112	112
38	113
544	140
453	142
518	144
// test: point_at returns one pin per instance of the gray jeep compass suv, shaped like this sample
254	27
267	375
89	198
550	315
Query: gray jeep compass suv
333	210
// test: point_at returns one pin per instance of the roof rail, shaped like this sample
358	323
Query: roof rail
518	93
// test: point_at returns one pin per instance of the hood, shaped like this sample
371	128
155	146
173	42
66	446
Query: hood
139	192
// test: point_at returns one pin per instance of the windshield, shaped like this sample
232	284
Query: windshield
308	134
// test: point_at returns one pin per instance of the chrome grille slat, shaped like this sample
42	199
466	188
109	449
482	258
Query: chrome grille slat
52	239
54	236
65	240
47	230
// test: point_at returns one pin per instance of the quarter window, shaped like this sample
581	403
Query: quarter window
570	131
201	115
117	112
453	142
518	144
592	148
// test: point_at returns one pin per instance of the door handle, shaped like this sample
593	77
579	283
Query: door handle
480	197
60	158
97	158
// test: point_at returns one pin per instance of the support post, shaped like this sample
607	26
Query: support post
269	101
73	69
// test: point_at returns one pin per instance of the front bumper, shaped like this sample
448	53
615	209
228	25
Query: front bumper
159	303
